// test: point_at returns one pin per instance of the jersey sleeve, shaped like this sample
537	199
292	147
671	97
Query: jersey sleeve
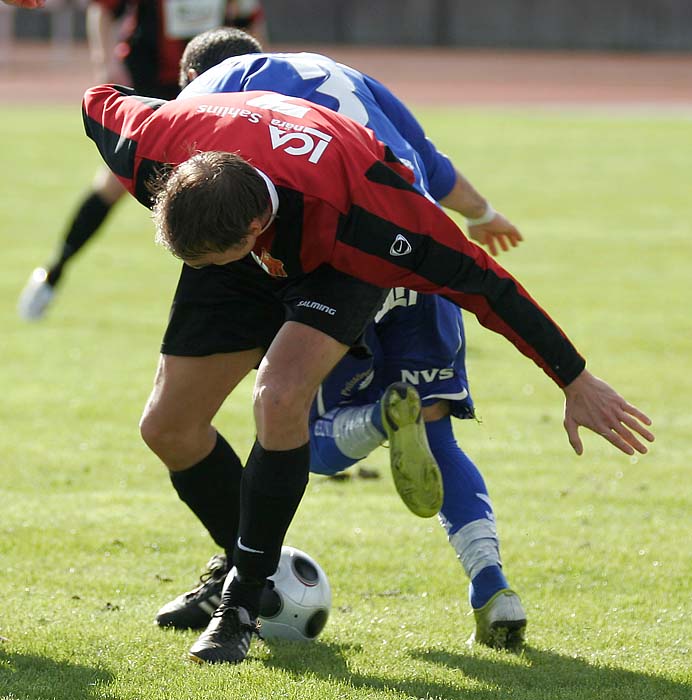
438	167
392	236
113	119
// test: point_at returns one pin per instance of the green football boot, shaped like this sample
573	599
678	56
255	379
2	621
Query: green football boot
501	622
416	475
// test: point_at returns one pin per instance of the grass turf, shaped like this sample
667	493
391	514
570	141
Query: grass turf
94	540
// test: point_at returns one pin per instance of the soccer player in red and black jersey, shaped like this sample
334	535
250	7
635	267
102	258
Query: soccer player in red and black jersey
331	217
152	37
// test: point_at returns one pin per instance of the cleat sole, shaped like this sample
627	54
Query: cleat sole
415	472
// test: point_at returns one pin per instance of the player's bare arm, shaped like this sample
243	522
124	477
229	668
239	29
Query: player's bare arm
100	29
592	403
485	225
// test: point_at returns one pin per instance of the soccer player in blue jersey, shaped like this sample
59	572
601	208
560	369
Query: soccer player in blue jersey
416	339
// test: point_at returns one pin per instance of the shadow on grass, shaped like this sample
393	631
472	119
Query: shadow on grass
535	674
557	676
29	677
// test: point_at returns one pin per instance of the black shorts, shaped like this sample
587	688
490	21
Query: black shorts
234	307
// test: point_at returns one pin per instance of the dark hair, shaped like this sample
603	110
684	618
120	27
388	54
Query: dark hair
207	203
211	47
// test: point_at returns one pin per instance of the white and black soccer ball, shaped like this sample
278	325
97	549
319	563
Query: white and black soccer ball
298	605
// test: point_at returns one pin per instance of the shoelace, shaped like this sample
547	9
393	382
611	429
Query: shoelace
215	565
231	626
217	568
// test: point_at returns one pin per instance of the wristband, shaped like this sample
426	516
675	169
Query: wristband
487	217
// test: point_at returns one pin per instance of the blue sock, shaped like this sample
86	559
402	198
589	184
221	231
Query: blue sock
344	436
486	584
467	514
466	495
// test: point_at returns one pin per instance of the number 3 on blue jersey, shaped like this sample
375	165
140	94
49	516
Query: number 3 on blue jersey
335	84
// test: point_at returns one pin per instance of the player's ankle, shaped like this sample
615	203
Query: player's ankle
245	593
486	584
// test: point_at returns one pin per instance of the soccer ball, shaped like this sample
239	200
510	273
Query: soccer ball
298	605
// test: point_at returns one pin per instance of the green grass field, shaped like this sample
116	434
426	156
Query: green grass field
94	539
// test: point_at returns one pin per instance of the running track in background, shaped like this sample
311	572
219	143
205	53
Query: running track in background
40	73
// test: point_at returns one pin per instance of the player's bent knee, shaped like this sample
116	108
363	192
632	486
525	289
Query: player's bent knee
167	440
281	402
281	417
154	433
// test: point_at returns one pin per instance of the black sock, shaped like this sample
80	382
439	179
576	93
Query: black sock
211	488
247	594
273	484
86	221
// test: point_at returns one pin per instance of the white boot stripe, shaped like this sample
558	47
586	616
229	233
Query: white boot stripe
207	607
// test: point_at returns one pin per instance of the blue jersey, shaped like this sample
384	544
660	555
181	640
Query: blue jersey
341	89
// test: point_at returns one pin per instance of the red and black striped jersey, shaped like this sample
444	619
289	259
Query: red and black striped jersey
344	200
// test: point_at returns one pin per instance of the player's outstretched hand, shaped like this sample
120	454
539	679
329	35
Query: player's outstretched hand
498	233
28	4
593	404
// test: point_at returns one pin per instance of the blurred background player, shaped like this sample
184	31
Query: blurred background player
137	43
419	338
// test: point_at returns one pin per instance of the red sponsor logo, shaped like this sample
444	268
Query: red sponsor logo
273	266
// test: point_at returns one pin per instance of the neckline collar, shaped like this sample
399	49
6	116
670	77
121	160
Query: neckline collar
273	197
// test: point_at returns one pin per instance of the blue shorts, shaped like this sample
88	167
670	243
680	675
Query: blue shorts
416	338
